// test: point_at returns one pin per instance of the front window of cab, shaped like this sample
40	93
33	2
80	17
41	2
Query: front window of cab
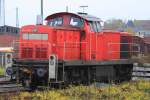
33	36
55	21
95	26
77	22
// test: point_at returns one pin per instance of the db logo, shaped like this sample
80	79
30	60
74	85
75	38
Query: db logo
52	62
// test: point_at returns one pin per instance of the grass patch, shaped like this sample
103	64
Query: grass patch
138	90
2	70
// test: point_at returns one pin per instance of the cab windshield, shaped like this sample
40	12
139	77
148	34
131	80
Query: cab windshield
95	26
56	22
77	22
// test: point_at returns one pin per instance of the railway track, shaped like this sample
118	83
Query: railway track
141	72
7	86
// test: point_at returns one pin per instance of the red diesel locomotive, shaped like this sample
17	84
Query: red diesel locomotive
72	48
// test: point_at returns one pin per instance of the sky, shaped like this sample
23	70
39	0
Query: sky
104	9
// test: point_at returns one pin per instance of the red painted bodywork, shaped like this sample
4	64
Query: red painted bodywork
67	43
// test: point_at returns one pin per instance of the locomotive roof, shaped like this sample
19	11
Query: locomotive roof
81	15
88	17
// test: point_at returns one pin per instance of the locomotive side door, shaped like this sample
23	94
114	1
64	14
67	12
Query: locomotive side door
89	41
92	39
83	45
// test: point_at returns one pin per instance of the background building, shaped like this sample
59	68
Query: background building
8	34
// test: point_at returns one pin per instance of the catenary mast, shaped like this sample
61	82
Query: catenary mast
2	12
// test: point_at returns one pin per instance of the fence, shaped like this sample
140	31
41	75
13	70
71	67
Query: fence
72	50
127	50
31	50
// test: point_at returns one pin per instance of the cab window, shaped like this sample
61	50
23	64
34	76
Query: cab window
56	22
94	26
99	27
77	22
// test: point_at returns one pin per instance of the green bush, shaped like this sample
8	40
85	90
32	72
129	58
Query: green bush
136	90
2	70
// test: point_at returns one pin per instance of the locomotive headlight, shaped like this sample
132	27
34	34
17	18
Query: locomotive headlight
52	58
9	71
41	72
51	62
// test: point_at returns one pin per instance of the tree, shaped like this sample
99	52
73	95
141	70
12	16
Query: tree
114	24
129	30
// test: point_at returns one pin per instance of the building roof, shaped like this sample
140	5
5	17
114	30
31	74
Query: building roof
143	24
6	49
88	17
130	24
9	29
